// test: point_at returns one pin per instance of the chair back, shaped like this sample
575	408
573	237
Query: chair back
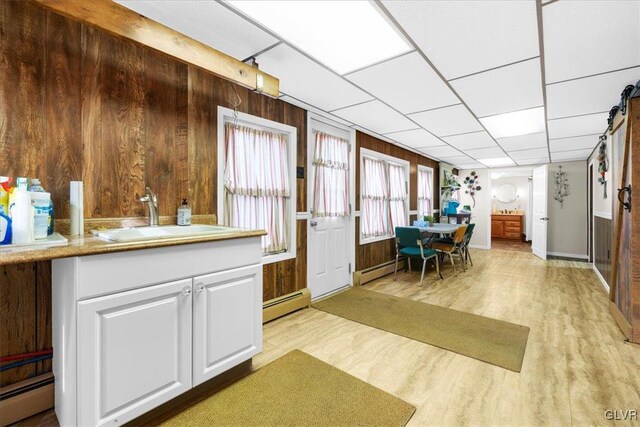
459	236
469	231
407	237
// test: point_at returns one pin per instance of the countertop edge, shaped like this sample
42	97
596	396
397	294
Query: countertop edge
90	245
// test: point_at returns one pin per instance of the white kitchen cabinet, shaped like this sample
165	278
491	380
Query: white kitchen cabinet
132	330
135	352
227	321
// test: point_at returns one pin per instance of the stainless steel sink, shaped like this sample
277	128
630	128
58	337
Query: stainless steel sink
134	234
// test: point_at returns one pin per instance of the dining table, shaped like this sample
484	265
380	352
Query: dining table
430	232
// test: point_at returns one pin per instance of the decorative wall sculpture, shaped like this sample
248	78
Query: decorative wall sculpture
563	189
473	186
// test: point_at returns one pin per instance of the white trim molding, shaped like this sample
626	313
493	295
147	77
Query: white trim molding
602	281
567	255
605	215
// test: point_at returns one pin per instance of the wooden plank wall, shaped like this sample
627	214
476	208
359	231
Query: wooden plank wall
376	253
602	246
79	104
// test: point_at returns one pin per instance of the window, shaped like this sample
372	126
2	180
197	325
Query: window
384	195
331	183
425	191
256	181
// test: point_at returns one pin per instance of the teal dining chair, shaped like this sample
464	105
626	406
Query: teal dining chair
409	244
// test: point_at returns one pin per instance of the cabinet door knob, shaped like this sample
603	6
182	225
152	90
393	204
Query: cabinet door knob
186	291
199	287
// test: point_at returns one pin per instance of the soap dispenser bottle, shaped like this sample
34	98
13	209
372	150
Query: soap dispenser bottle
184	213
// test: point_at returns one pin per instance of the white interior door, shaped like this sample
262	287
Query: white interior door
328	239
540	218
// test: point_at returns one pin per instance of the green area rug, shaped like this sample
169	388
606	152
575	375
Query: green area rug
493	341
297	390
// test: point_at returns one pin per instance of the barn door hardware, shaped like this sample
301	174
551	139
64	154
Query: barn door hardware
612	114
624	96
621	191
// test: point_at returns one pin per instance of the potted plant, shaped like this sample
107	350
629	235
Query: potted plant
428	219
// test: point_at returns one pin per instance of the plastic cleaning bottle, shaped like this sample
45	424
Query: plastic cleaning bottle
41	202
184	213
6	229
36	187
22	218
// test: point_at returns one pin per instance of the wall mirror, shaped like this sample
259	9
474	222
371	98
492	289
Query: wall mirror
507	193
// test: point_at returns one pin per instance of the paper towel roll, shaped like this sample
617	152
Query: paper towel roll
76	199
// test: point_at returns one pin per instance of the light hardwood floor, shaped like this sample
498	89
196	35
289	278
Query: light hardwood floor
576	364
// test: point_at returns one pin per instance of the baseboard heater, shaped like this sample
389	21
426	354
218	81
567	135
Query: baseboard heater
372	273
26	398
285	304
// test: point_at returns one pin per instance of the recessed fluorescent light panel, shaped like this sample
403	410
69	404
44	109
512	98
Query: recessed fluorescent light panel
343	35
513	124
497	161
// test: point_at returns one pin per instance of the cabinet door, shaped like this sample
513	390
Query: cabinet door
134	352
497	228
227	320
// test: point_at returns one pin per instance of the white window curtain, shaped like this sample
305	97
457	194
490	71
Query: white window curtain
331	186
374	215
425	193
256	184
397	197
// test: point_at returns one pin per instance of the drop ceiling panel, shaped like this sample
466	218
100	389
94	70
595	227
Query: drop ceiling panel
304	79
523	142
408	83
447	121
376	116
455	160
485	153
471	140
589	95
312	109
536	153
208	22
416	138
589	37
570	155
443	151
576	126
471	165
512	88
464	37
540	161
576	143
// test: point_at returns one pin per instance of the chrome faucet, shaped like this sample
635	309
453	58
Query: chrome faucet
151	198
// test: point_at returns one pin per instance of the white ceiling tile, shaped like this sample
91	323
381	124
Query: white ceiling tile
438	152
589	95
447	121
454	160
464	37
540	161
522	142
575	143
376	116
312	109
570	155
471	140
536	153
304	79
415	138
576	126
583	38
208	22
506	89
485	153
471	165
408	83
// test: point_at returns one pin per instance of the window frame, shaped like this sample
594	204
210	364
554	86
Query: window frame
364	152
226	115
433	189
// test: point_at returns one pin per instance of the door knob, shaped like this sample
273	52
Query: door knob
544	218
313	223
199	287
186	291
